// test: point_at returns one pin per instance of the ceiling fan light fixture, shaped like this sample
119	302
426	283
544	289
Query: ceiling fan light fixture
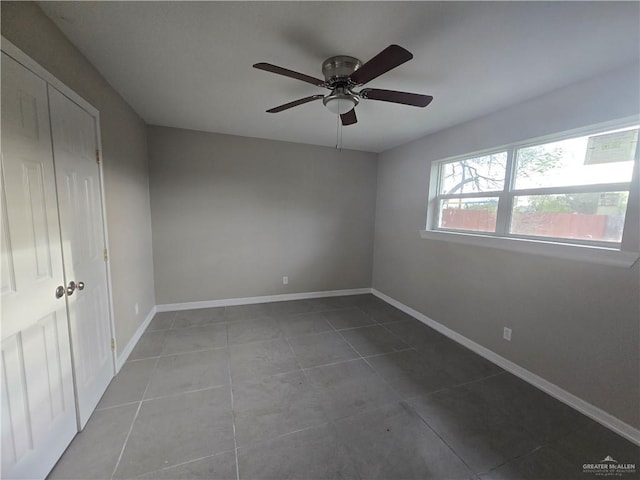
339	105
340	101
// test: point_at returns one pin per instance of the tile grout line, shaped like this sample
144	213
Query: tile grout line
351	346
371	325
516	458
287	338
373	369
408	402
175	394
184	463
323	365
404	399
341	336
441	439
173	319
449	387
126	440
391	352
363	357
175	354
309	383
314	388
321	312
407	398
282	435
298	362
339	362
200	350
226	323
300	368
384	380
233	412
345	340
384	325
111	407
371	366
375	372
255	379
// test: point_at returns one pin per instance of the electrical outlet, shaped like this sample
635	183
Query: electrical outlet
507	334
285	280
136	308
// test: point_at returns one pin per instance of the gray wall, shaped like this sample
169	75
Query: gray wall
575	324
124	151
232	215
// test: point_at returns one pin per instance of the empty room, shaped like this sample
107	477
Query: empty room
320	240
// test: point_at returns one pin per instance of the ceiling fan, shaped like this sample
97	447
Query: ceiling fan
342	74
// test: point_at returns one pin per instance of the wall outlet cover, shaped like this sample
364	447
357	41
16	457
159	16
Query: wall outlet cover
507	334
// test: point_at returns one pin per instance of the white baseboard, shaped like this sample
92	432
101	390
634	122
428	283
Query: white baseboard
591	411
124	355
228	302
170	307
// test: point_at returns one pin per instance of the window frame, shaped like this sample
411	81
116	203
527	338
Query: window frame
502	238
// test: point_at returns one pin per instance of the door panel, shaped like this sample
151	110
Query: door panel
79	199
38	409
8	270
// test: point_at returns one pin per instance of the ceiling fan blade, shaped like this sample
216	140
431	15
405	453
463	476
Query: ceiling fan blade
406	98
267	67
349	118
386	60
295	103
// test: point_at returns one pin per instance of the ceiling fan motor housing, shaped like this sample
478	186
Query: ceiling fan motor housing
336	70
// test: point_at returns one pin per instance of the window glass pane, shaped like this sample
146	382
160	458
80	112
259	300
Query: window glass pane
480	174
592	159
476	214
584	216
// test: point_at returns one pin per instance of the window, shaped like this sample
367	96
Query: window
573	190
468	192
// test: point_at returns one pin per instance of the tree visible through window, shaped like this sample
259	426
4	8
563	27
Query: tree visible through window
575	189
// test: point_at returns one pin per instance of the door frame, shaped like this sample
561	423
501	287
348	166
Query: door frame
22	58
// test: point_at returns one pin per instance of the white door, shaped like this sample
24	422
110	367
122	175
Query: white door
38	410
79	201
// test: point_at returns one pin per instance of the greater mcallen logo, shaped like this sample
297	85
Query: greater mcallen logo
608	466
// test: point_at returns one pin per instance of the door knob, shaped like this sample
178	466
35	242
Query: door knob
60	292
71	288
80	285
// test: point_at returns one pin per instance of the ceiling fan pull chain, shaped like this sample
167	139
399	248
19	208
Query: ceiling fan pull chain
339	134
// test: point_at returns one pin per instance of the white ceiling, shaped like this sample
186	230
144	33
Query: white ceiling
188	64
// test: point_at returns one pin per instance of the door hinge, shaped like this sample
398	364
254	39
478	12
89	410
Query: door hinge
106	255
98	157
113	344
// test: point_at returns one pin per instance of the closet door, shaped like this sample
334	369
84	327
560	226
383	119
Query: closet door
38	410
79	200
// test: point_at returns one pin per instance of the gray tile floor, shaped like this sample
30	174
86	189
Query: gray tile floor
332	388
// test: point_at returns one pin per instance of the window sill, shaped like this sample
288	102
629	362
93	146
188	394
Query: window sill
599	255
